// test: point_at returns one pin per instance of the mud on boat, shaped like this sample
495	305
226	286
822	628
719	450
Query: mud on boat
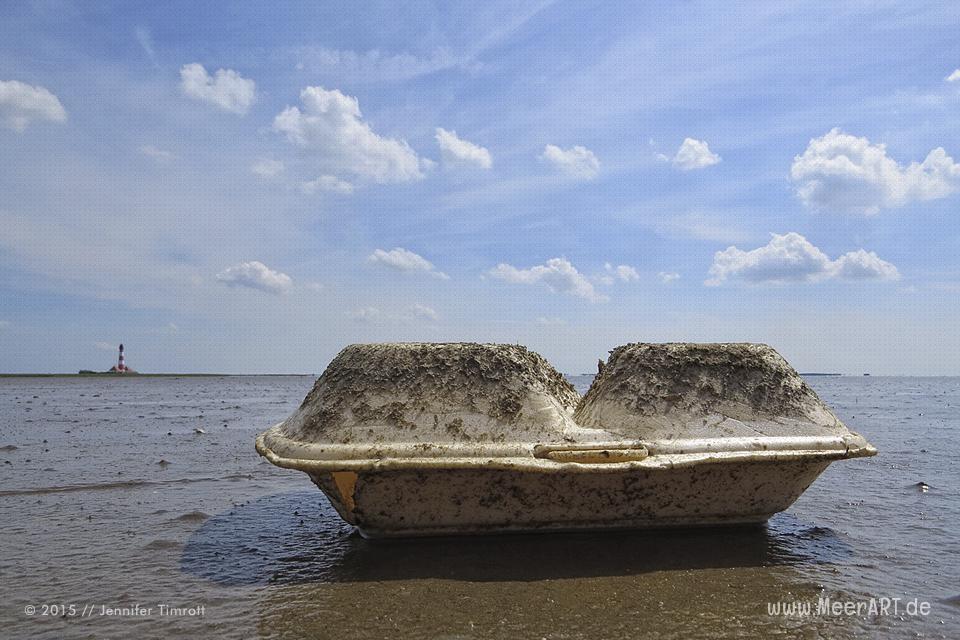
425	439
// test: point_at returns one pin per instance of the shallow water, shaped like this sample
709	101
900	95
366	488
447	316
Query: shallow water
112	499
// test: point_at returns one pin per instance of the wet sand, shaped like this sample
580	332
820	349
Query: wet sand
111	498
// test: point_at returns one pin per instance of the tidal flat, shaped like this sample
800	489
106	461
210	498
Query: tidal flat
134	494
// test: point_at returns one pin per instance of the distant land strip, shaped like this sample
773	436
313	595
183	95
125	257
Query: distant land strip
112	376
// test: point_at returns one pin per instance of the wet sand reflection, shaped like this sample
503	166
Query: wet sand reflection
328	581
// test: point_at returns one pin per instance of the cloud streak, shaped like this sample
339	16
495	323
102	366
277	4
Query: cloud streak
267	167
330	184
158	154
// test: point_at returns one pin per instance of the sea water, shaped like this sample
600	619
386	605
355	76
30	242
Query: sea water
137	507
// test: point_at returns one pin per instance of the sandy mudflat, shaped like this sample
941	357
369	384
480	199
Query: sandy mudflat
110	498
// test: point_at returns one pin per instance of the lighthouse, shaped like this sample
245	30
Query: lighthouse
121	365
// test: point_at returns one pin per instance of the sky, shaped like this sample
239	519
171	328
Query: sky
248	188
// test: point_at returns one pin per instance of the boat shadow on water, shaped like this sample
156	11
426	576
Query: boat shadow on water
297	537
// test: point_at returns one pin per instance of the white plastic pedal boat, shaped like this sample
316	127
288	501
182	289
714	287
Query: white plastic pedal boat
427	439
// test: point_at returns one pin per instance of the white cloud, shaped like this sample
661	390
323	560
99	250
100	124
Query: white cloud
332	184
226	89
160	155
20	104
577	161
693	154
557	274
267	167
456	151
403	260
424	312
624	272
953	77
843	172
667	277
106	346
331	124
863	265
792	258
255	275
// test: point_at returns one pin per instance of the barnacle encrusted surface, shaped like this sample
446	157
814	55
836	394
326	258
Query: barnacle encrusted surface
435	393
702	390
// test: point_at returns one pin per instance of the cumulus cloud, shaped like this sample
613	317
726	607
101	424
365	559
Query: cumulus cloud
267	167
577	161
623	272
160	155
792	258
402	260
557	274
846	173
953	77
457	152
331	125
863	265
332	184
21	104
255	275
226	89
667	277
693	154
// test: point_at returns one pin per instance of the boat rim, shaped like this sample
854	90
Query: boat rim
559	457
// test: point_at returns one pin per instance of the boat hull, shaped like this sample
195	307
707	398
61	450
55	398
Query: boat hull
421	502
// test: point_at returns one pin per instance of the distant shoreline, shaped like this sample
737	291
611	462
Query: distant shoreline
113	376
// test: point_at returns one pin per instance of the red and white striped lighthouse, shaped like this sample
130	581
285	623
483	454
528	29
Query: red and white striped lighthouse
121	366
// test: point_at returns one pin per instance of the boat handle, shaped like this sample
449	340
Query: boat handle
586	454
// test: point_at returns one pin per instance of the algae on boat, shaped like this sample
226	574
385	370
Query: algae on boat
423	438
689	390
428	399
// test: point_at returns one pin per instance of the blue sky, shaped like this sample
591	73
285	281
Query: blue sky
236	188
